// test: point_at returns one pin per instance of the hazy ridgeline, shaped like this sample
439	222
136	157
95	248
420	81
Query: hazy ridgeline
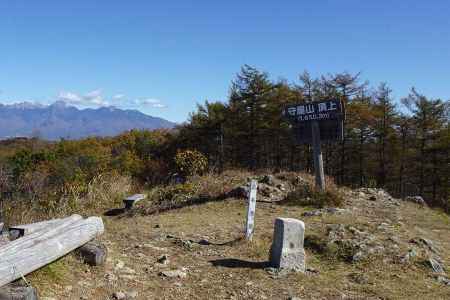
402	146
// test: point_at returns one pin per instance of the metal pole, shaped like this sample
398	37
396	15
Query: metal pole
317	153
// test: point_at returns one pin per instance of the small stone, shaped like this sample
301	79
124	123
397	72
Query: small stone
443	280
13	291
174	274
119	295
267	179
150	246
416	199
110	277
312	271
204	242
163	259
127	270
119	265
312	213
132	294
358	256
407	257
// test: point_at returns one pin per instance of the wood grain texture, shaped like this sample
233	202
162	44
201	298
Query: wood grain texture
40	248
26	229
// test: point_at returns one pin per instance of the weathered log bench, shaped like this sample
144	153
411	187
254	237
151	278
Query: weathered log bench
130	201
39	248
18	231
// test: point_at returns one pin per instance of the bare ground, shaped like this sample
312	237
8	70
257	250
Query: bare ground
205	242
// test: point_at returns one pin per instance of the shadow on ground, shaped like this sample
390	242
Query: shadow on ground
114	212
239	263
229	243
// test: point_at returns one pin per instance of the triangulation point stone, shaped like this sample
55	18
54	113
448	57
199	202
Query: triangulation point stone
287	250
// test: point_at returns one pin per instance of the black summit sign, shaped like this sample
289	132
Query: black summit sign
324	110
329	115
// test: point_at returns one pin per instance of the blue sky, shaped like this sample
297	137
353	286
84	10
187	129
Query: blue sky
163	57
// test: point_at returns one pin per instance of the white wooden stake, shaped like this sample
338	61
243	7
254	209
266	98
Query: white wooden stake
251	210
318	162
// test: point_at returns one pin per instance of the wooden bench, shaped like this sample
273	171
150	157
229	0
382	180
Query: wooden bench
130	201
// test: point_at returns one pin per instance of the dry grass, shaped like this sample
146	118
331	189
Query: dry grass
232	268
103	192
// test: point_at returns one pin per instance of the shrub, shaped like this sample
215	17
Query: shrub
190	162
175	194
307	195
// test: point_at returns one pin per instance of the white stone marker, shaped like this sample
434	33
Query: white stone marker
287	250
250	225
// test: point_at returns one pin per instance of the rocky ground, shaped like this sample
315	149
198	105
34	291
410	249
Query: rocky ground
374	247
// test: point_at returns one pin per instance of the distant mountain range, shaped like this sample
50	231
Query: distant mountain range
59	120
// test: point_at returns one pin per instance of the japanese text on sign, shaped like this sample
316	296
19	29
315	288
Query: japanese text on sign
331	109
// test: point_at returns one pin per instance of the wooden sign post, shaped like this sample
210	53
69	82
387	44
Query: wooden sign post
317	153
250	225
315	122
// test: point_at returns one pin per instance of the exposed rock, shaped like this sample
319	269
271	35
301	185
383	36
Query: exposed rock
407	257
150	246
425	243
416	199
358	256
119	295
119	265
435	265
311	271
13	291
164	259
268	179
443	280
174	274
335	232
327	210
110	277
373	194
276	272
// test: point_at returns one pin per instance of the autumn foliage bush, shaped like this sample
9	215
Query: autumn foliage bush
191	162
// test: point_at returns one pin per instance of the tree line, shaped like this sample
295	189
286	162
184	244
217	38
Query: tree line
402	146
